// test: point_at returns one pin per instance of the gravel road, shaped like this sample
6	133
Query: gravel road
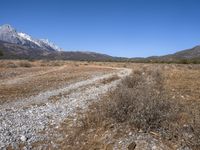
30	120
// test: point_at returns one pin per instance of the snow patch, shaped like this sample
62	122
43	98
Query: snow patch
28	37
52	45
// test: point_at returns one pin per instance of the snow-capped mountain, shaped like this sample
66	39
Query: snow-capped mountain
27	37
10	35
49	43
19	45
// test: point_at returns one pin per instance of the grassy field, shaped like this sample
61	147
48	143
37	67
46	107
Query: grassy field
162	101
21	78
158	102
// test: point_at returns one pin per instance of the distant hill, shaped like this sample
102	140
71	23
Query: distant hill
193	53
185	56
16	51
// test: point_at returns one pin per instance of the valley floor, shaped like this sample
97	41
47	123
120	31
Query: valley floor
34	101
81	105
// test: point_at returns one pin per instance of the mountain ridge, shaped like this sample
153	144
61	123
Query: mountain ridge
187	55
10	35
19	45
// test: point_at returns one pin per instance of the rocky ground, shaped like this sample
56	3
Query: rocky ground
29	120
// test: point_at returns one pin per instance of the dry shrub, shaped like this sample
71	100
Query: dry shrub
140	102
76	65
83	133
95	118
8	64
11	64
50	63
15	63
110	79
44	63
56	63
25	64
190	131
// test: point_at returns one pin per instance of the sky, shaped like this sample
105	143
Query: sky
126	28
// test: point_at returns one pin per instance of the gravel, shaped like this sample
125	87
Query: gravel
32	119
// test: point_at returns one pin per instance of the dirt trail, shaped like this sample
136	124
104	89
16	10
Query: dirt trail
29	120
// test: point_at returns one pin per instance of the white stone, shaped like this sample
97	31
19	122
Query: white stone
23	138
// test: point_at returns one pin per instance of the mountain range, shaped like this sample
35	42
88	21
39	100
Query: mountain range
19	45
10	35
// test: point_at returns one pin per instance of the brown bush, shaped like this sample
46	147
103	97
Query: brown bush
142	102
110	79
11	65
57	63
50	63
25	64
1	52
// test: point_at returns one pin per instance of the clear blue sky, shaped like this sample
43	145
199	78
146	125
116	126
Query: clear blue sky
115	27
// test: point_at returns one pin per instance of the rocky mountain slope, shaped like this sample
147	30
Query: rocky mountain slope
10	35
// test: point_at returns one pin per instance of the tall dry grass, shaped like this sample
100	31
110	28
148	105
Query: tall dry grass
142	102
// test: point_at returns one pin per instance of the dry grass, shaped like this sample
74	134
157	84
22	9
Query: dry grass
34	63
25	64
108	80
21	82
164	99
16	63
142	102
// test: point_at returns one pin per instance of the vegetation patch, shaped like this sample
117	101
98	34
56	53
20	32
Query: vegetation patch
141	103
1	53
